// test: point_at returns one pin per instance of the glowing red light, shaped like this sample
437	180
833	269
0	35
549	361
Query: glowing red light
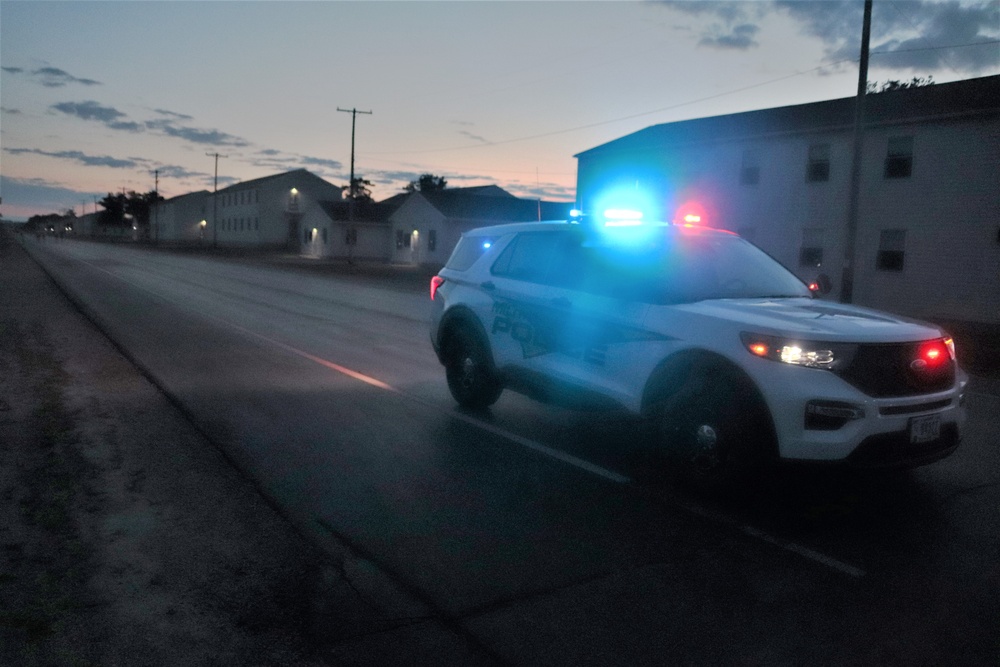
934	353
691	213
436	282
759	349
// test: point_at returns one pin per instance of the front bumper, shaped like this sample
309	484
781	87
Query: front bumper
880	434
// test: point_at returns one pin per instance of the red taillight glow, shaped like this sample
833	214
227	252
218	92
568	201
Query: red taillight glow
436	282
758	348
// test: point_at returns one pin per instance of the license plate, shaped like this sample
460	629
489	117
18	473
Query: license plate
925	429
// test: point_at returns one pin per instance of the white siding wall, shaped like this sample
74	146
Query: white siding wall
949	207
417	214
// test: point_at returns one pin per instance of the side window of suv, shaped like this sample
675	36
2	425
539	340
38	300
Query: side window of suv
468	250
528	257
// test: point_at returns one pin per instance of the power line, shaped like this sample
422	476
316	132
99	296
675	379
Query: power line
673	106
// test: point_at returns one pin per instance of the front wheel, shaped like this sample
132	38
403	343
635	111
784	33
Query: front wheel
714	431
469	369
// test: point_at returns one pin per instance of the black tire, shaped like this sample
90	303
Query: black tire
715	429
471	378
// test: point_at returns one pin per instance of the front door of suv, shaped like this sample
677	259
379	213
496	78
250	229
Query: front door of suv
600	340
521	322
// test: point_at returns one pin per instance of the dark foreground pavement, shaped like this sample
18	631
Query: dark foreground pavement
126	538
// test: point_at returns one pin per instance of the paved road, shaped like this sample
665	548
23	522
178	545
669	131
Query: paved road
545	535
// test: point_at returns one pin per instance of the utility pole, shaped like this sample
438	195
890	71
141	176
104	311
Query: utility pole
851	236
215	201
156	207
354	118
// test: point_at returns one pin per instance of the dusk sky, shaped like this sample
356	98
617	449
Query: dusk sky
96	96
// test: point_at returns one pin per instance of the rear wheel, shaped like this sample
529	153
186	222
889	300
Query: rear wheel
715	429
471	379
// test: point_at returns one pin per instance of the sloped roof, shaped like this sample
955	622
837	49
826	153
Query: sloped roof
199	193
938	101
340	211
300	173
461	204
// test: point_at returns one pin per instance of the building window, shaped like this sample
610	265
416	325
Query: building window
811	253
256	224
432	240
891	246
402	239
351	237
818	167
899	157
750	169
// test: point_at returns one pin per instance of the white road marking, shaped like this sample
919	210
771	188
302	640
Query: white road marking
581	464
806	552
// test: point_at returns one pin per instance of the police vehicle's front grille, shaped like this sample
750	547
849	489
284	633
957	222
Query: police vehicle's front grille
888	369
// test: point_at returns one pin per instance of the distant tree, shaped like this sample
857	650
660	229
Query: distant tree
122	210
358	190
427	183
140	207
113	214
894	84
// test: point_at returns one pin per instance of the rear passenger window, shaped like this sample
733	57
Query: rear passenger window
468	250
527	257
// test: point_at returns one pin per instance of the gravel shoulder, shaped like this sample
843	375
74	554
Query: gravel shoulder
128	539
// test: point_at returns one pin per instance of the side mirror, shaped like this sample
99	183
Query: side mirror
821	285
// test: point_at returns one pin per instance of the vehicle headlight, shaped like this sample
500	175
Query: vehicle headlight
811	354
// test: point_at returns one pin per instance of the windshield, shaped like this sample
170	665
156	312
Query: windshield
684	267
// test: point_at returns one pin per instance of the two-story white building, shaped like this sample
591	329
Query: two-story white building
266	212
181	219
928	235
427	225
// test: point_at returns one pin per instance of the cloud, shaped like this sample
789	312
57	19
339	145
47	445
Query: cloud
735	25
176	171
173	114
82	158
740	37
195	135
113	119
474	137
321	162
91	110
52	77
27	196
920	35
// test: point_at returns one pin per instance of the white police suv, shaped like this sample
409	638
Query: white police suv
725	350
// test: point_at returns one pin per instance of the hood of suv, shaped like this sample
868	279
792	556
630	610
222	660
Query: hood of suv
809	319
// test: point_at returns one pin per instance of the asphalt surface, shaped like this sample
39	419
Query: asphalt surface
492	533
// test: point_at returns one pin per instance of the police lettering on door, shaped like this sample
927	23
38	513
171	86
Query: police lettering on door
540	333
